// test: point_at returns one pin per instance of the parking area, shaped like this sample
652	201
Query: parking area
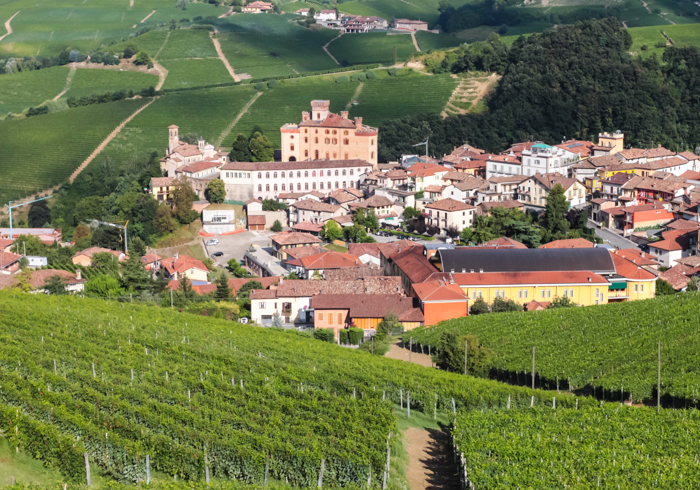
234	246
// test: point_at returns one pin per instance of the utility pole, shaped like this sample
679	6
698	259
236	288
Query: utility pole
10	208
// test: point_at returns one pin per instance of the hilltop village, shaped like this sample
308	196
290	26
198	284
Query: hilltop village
334	239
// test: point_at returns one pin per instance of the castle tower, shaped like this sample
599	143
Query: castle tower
320	109
173	138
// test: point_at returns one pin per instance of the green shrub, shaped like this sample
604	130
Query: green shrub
355	335
343	336
393	72
273	84
259	86
324	335
371	75
342	79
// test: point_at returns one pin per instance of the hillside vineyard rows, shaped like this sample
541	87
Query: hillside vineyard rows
595	447
121	382
613	346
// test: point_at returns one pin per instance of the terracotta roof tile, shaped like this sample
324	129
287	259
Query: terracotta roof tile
630	270
503	242
294	238
365	305
326	260
439	291
569	243
316	206
307	226
449	205
257	219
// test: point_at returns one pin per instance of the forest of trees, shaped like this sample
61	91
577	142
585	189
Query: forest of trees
573	82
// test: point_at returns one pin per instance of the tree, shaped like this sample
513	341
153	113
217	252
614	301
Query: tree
106	263
388	325
693	284
163	221
411	213
664	288
81	236
276	226
240	151
502	305
142	58
130	50
261	150
135	278
236	269
55	285
185	287
216	191
273	205
137	247
30	243
452	231
183	197
39	214
276	320
244	291
479	307
450	354
564	302
223	291
331	231
554	218
104	286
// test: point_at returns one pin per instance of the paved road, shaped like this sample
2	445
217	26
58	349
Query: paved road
611	237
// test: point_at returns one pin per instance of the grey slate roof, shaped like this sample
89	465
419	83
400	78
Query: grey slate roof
596	260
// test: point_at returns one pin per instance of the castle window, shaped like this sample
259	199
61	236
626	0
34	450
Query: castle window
267	187
274	175
372	155
298	174
343	171
306	140
306	131
344	184
329	186
351	170
328	157
306	173
291	147
317	140
327	132
335	132
317	131
259	187
337	184
259	175
321	185
298	186
283	187
292	137
327	140
316	155
267	175
346	141
345	132
313	185
274	187
371	142
336	172
335	155
306	186
283	175
321	174
306	153
335	141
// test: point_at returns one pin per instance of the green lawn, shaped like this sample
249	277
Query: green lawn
195	73
18	91
40	151
95	81
203	112
360	49
273	46
47	28
399	96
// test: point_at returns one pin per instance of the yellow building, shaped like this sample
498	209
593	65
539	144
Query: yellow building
322	135
582	287
614	141
632	282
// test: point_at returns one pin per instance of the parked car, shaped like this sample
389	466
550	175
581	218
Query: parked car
217	254
211	242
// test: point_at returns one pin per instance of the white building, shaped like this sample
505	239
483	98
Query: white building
219	218
325	15
545	159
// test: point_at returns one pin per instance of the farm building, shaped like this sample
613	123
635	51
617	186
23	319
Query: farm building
257	8
410	25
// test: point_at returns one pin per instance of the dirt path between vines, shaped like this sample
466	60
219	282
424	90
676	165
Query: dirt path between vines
325	48
431	466
224	134
401	354
222	56
415	41
144	19
8	27
354	96
69	81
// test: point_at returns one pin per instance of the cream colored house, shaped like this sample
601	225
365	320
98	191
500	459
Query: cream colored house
534	190
450	213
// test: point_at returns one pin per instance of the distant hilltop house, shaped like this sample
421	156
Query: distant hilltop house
326	15
257	8
354	24
303	12
199	163
410	25
323	135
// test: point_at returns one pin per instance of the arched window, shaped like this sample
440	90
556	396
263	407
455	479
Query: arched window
274	175
274	187
346	159
317	133
329	186
313	173
346	141
298	186
306	186
306	153
344	185
371	142
298	174
283	175
336	172
259	187
259	175
321	185
306	140
337	184
306	173
320	173
327	140
316	155
267	175
343	171
291	147
345	132
316	139
283	188
335	141
328	157
372	155
327	131
313	185
267	187
335	132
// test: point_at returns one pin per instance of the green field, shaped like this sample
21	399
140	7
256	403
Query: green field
150	42
430	41
276	47
41	29
41	151
18	91
177	387
205	113
611	346
195	73
600	447
187	43
682	35
97	82
398	96
359	49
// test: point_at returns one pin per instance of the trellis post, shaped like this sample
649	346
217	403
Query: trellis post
320	474
87	469
267	469
533	368
148	470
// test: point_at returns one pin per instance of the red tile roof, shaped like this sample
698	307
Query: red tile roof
299	252
326	260
91	251
181	264
296	288
679	275
8	258
503	242
637	256
629	270
257	219
449	205
40	276
307	226
368	305
364	248
318	206
199	166
537	305
425	169
440	291
294	238
569	243
414	264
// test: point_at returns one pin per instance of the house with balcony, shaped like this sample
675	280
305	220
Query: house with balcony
450	214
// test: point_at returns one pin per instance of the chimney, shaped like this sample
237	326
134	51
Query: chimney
344	114
175	257
305	115
78	274
358	123
589	279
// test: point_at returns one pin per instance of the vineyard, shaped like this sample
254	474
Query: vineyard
98	82
19	91
372	48
610	347
197	394
195	73
606	447
41	151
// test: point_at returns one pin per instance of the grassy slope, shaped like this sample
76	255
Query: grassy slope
188	43
24	468
195	73
40	151
95	81
429	40
682	35
19	91
372	48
